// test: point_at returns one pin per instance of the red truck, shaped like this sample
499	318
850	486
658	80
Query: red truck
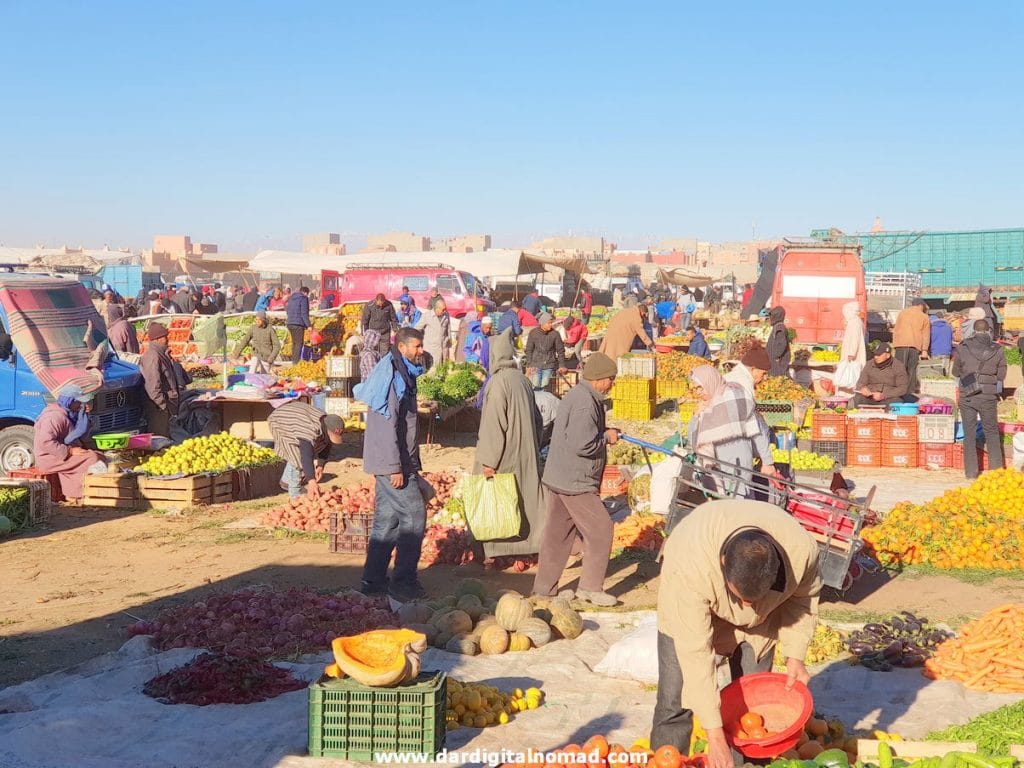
362	282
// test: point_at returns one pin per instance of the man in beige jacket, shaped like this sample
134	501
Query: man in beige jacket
911	338
738	577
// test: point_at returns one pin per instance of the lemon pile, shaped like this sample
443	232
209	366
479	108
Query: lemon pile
801	459
216	453
475	705
826	645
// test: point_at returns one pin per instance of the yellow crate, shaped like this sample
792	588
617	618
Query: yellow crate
686	411
633	410
633	389
666	389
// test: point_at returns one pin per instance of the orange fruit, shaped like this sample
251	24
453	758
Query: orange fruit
597	744
750	721
758	733
667	757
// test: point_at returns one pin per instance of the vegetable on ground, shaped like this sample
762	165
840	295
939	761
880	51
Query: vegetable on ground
987	656
212	678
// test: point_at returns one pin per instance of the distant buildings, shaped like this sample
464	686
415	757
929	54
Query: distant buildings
403	242
169	251
589	248
326	243
463	244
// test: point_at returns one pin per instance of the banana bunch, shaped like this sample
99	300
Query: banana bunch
826	645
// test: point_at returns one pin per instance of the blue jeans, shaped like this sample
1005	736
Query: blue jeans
541	377
399	520
292	477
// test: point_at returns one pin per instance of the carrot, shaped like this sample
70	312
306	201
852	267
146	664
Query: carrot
1008	662
986	645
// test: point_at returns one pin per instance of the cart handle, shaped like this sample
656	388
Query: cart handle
649	446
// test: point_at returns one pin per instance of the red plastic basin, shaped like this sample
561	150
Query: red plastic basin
784	712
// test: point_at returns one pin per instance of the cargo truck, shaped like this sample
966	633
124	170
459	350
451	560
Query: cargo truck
127	279
117	406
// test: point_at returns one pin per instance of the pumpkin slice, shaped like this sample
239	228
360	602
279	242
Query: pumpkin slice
383	658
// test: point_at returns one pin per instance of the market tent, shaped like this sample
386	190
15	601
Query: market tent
683	277
218	266
491	263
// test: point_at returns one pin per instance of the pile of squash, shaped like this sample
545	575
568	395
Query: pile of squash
471	623
383	658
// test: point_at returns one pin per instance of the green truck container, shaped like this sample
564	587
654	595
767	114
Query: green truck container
949	263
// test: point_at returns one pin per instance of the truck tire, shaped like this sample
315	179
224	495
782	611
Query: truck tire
16	448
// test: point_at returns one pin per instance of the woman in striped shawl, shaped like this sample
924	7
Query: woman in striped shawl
725	427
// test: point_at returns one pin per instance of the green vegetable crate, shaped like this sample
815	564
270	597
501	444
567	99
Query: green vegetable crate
355	722
25	502
633	410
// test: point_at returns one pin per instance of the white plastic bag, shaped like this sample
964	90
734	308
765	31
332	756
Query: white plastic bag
663	484
1018	451
634	657
847	375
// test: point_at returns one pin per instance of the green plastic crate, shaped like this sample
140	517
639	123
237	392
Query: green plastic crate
351	721
776	413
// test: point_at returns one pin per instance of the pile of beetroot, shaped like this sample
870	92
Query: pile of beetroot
213	678
264	623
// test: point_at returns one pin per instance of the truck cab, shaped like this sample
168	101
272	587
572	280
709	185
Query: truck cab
117	406
461	291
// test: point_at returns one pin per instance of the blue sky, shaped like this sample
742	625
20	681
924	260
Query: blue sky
249	123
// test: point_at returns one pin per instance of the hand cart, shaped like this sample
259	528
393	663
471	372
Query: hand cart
833	521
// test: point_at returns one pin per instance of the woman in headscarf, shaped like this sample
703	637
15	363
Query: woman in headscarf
58	431
778	343
120	332
983	299
725	427
369	353
476	347
459	350
509	443
853	349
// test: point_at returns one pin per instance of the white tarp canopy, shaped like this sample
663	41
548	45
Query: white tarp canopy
12	255
491	263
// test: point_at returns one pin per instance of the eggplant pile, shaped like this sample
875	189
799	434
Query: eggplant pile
901	641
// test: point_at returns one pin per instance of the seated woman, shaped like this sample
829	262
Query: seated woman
58	431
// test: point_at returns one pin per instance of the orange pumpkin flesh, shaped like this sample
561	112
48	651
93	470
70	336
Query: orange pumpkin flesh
382	658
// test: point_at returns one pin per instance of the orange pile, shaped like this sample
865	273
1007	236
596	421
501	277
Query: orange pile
606	755
988	655
978	526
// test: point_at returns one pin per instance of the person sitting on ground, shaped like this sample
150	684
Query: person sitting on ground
58	433
545	352
883	381
265	343
303	436
698	344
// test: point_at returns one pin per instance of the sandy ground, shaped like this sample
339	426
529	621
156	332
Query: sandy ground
70	589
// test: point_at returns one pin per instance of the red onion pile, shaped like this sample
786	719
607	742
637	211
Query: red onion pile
266	623
445	546
212	678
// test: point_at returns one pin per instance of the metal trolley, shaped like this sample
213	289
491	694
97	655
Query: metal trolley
835	522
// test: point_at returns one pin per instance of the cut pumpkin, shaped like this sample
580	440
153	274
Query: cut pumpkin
383	658
333	670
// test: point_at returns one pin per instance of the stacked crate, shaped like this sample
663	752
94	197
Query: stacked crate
828	435
863	442
899	442
634	399
935	436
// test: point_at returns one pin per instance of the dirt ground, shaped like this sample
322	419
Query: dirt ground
71	588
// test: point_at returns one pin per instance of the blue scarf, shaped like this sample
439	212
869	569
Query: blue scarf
80	420
393	370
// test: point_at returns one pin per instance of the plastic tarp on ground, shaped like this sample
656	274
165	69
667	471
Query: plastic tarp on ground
492	263
95	715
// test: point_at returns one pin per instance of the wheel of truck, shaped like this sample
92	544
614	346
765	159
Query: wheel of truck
16	448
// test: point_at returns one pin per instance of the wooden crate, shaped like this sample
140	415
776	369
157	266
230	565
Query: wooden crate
256	482
111	490
186	491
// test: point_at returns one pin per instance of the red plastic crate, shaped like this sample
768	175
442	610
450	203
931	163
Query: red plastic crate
863	454
828	426
33	473
864	430
899	455
818	520
901	430
612	481
937	455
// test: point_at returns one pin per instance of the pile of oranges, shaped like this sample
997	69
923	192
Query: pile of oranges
978	526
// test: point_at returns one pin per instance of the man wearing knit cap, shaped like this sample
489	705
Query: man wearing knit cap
751	370
545	352
572	476
159	380
884	380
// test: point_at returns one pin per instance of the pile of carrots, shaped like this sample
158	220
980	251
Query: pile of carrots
639	531
988	655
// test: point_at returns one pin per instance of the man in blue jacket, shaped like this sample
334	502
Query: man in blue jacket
298	320
510	319
391	454
698	344
941	345
531	302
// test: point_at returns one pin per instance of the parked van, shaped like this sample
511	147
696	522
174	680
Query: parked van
812	283
117	407
460	290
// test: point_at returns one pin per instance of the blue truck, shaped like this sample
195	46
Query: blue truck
126	279
117	407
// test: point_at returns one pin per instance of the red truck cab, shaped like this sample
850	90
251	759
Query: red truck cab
460	290
812	283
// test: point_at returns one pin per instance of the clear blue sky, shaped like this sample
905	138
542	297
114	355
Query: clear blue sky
249	123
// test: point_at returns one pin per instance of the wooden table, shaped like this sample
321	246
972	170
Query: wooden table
246	418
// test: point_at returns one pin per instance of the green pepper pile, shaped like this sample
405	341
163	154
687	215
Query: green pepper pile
993	732
15	507
837	758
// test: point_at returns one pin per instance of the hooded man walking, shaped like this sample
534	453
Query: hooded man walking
777	345
980	368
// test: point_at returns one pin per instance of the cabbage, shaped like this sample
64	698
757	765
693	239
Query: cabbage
6	526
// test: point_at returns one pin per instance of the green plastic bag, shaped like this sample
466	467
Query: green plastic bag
492	507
